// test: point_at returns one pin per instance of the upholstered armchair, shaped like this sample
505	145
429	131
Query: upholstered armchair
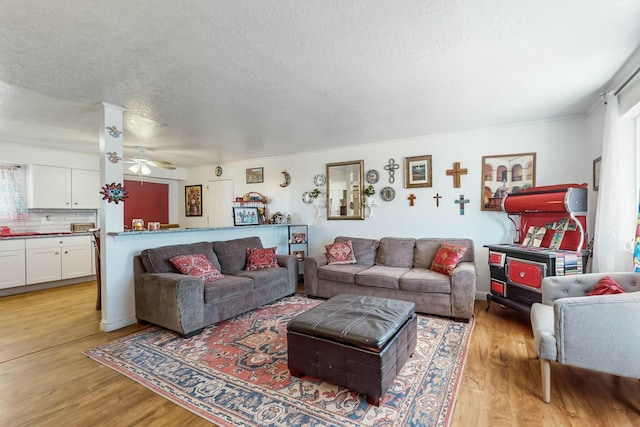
600	333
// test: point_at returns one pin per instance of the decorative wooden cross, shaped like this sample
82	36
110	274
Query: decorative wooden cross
437	197
456	172
391	167
462	201
411	198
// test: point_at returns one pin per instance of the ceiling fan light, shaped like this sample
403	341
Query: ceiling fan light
145	169
135	167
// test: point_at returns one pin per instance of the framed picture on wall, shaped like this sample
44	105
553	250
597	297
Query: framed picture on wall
417	171
245	216
193	200
503	174
255	175
596	174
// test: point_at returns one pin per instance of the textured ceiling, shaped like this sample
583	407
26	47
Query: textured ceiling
215	81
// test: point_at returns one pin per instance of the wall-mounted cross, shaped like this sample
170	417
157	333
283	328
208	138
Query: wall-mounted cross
456	172
411	198
462	201
437	197
391	167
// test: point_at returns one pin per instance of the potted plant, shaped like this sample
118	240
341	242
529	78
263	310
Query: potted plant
368	194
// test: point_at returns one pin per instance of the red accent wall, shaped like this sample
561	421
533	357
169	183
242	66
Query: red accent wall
148	200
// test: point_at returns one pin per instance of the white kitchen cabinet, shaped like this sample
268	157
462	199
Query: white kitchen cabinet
57	258
52	187
12	263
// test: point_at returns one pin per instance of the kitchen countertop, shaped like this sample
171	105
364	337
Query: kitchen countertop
36	235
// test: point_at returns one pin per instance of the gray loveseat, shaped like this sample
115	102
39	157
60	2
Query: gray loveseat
398	268
186	304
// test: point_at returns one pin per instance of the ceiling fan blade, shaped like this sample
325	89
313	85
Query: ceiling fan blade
161	164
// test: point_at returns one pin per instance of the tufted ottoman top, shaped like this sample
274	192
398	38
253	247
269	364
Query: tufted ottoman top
355	320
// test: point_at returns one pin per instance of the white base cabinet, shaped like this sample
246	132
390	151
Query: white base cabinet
12	264
57	258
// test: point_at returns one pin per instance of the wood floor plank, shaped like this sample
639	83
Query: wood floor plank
45	379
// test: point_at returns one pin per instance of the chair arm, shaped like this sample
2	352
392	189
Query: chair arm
290	262
599	333
311	265
174	301
463	290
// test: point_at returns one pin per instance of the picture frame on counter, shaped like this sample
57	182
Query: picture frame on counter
246	216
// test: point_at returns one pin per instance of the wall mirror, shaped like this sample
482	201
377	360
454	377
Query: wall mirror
344	190
506	173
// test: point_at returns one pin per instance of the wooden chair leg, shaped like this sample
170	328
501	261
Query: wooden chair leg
545	371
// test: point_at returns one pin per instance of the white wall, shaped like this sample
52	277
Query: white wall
564	155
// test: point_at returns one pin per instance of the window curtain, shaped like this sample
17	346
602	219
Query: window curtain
617	209
13	203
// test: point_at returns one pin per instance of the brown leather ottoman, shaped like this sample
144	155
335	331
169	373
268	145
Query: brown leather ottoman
353	341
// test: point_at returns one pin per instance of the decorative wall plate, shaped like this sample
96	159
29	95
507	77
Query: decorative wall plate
319	180
307	198
387	194
372	176
218	170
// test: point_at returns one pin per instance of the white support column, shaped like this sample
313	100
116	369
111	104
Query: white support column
116	302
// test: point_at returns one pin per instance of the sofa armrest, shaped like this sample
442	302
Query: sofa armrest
556	287
174	301
463	290
599	333
311	265
290	262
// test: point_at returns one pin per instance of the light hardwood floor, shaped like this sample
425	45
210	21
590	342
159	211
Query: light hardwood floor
46	381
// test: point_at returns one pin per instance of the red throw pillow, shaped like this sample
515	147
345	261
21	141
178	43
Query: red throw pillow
606	286
447	258
340	253
259	258
197	266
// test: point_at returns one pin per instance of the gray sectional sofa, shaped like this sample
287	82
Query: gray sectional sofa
398	268
186	304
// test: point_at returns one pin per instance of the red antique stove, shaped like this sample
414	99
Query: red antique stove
550	242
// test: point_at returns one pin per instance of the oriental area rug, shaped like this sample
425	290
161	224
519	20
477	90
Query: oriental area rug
235	373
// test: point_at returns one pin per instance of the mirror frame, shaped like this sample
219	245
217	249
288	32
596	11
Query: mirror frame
360	202
493	191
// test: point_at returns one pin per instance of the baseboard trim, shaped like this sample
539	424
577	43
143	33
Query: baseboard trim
481	295
118	324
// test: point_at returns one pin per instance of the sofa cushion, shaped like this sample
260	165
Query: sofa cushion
196	265
232	254
425	280
224	288
266	277
342	273
259	258
156	260
381	276
340	253
396	252
426	249
447	258
365	250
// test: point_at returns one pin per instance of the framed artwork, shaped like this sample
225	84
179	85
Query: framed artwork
298	237
245	216
255	175
596	174
503	174
417	171
299	255
193	200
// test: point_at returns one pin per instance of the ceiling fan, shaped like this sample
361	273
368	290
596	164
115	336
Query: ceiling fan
140	163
